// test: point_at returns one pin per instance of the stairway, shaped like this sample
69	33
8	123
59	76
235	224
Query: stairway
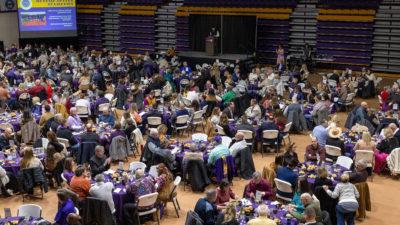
166	25
386	42
110	27
303	26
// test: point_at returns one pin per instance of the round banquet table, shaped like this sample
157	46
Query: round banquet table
20	220
309	170
276	213
119	194
13	164
15	120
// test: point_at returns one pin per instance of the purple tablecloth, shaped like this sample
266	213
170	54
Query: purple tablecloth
15	121
275	213
331	168
14	165
19	220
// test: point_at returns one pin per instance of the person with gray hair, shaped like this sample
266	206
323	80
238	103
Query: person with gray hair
262	218
238	145
360	173
74	121
308	202
259	185
153	154
99	163
310	217
206	207
103	190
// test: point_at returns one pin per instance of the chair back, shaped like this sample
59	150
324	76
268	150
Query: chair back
198	115
153	171
192	218
45	142
226	141
64	141
104	107
270	134
109	96
248	134
287	128
333	150
82	110
366	155
136	165
220	130
182	120
344	161
186	101
147	201
154	121
63	178
283	186
393	161
30	210
350	97
199	137
76	211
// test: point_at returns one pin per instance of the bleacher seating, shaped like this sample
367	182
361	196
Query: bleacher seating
89	25
346	33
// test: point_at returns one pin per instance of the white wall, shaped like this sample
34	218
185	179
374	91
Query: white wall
9	28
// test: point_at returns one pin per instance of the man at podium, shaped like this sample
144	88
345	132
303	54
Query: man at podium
215	34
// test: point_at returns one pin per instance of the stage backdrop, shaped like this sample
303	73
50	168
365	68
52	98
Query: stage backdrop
237	33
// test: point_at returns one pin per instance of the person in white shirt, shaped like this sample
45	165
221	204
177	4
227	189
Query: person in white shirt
239	145
82	101
254	111
103	191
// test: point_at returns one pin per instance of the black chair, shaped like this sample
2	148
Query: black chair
85	152
96	211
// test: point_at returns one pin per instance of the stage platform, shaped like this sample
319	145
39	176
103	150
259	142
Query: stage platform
193	57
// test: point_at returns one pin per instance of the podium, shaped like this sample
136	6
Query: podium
210	45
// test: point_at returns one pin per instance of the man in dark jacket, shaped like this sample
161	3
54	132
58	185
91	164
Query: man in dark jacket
99	162
360	174
206	208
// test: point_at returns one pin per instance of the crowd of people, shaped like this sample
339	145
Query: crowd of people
91	110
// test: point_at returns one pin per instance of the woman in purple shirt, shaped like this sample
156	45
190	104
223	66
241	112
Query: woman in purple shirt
68	169
258	184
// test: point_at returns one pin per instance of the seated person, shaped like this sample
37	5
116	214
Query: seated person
308	202
164	183
258	184
142	185
64	132
103	190
268	125
90	135
206	208
5	178
290	155
181	111
99	163
321	133
262	219
333	139
245	125
107	118
6	139
224	193
152	150
389	143
153	112
73	219
314	151
322	179
73	121
218	151
67	207
29	160
68	172
310	217
360	173
117	132
254	111
286	173
80	183
238	145
224	123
